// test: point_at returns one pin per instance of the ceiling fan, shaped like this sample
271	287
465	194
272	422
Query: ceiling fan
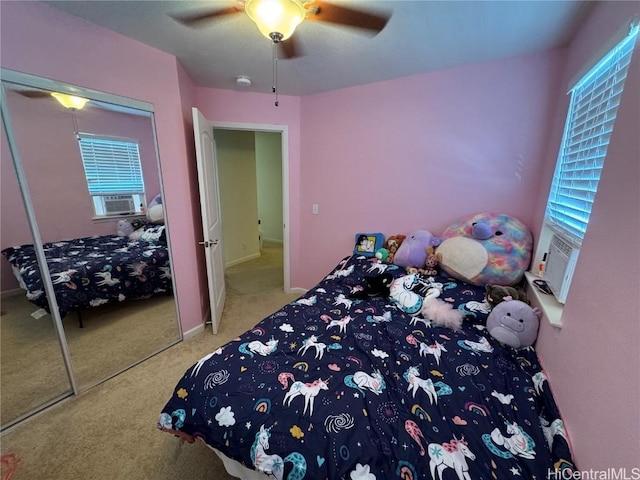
278	19
72	102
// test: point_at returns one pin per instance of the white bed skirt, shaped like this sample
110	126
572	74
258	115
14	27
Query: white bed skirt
236	469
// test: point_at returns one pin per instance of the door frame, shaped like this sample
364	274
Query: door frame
284	140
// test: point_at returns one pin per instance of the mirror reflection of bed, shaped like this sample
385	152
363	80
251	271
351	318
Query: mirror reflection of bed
104	335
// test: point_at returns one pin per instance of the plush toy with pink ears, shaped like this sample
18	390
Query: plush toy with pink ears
514	323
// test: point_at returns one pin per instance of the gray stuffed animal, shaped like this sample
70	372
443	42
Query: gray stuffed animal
514	323
496	294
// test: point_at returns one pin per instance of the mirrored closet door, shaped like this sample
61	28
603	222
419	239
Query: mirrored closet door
32	368
94	192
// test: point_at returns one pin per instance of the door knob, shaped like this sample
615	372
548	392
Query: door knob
207	243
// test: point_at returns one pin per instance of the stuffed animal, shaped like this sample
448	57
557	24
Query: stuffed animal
413	251
514	323
403	295
440	312
486	249
378	286
392	244
430	265
431	262
382	254
495	294
155	210
124	228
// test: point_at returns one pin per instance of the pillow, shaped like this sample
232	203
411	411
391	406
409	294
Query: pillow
486	249
149	233
125	228
368	243
155	210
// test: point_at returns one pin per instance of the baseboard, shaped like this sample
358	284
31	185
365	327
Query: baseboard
272	240
195	331
12	293
242	260
298	290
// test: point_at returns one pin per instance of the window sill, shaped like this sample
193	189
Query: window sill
550	307
124	216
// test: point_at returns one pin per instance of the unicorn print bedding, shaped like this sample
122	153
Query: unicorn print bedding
333	387
92	271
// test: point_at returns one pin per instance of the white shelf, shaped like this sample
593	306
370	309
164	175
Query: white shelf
551	308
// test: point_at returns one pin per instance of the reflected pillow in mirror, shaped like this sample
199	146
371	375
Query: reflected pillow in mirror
124	228
155	211
150	233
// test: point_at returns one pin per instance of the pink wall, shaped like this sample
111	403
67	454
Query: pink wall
187	96
592	362
44	41
53	167
422	151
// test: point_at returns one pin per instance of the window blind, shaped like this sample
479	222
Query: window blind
111	166
592	113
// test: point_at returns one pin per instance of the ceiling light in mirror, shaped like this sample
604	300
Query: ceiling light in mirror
70	101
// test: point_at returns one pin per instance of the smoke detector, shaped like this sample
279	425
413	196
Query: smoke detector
243	81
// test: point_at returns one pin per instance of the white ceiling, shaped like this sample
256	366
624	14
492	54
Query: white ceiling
421	36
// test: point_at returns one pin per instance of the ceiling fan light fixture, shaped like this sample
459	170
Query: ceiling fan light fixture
276	16
70	101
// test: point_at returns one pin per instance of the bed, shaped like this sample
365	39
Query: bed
92	271
333	387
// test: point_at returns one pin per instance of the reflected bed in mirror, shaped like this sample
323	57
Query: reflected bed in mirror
93	271
94	187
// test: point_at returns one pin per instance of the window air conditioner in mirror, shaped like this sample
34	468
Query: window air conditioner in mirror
118	204
561	262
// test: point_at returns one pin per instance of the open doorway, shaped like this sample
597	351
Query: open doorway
252	188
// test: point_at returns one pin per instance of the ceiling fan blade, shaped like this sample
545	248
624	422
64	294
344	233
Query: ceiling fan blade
196	19
290	48
34	93
320	11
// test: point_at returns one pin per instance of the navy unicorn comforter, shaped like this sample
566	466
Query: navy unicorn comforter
91	271
334	387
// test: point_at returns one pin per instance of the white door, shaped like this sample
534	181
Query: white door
211	224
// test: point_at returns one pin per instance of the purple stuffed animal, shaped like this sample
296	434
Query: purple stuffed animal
514	323
413	250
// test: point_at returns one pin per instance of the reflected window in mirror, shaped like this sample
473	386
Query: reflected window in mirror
114	176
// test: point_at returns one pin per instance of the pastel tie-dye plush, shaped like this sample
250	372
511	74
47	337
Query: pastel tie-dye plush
500	259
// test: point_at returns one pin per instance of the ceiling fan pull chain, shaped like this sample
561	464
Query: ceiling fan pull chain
274	88
74	121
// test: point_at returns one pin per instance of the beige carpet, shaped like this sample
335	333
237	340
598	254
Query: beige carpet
109	432
264	276
114	337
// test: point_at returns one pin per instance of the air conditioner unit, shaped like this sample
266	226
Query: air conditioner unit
561	262
118	204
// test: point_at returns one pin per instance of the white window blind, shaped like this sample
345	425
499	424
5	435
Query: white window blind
592	113
112	166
